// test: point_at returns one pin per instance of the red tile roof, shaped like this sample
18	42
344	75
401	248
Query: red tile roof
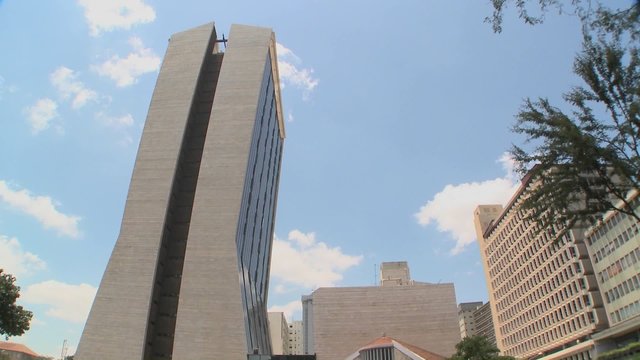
386	341
9	346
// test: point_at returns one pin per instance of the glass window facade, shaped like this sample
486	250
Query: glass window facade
257	213
614	246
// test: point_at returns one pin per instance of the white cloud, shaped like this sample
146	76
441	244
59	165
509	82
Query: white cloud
15	261
110	15
452	208
294	307
303	261
115	121
42	208
65	301
64	80
125	71
41	113
292	74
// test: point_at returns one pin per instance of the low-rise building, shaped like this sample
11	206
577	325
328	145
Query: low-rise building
340	319
387	348
15	351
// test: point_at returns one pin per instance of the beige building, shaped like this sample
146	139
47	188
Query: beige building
466	320
279	330
614	247
339	320
543	294
189	275
295	338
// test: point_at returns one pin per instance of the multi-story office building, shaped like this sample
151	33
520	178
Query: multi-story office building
339	320
295	338
188	276
279	330
484	323
466	320
543	293
475	319
614	246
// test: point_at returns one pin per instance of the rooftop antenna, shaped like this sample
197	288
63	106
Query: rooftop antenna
65	348
375	275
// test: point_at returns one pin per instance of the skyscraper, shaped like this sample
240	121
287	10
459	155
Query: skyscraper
188	276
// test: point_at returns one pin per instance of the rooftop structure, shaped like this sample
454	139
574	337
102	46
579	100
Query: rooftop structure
394	273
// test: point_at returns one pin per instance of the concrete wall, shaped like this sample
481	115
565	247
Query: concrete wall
211	312
171	288
347	318
117	323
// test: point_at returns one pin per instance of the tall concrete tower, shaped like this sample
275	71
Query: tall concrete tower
189	274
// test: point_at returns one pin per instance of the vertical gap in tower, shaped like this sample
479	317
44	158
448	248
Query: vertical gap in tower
163	314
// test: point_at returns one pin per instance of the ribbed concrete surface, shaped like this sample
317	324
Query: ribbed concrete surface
117	324
347	318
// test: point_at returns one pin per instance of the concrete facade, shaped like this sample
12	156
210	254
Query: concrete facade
344	319
614	247
279	330
212	137
394	273
543	294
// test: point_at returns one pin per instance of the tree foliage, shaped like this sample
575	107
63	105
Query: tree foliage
477	348
590	12
14	319
586	159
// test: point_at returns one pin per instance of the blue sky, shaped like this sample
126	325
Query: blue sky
398	117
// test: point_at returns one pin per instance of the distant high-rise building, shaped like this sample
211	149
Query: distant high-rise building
296	338
188	276
466	320
279	330
341	319
394	273
484	323
308	341
543	294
